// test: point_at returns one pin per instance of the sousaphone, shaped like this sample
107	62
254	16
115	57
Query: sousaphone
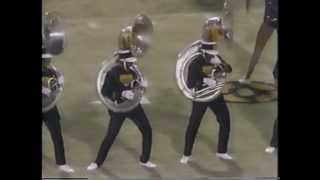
211	31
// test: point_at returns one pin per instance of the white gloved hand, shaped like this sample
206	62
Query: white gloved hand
128	94
144	83
215	60
46	91
139	51
61	80
209	82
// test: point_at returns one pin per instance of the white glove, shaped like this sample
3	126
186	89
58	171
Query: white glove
215	60
61	80
144	83
139	51
209	82
220	75
46	91
127	94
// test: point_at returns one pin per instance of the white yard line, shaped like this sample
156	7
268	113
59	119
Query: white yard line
95	102
92	25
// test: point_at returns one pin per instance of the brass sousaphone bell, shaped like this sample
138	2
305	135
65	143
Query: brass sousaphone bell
135	38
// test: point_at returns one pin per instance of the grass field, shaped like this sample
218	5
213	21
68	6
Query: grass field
92	27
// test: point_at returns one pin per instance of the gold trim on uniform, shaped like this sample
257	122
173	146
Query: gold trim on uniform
207	69
126	78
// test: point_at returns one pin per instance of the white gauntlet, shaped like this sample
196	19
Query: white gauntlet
144	83
215	60
209	82
128	94
46	91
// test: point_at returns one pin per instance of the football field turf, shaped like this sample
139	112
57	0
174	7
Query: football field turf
92	28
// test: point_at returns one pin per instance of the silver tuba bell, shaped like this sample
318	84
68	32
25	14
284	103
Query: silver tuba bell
52	45
211	32
136	39
53	36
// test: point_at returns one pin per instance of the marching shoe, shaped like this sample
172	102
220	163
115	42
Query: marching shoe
92	166
185	159
224	156
148	164
270	149
66	168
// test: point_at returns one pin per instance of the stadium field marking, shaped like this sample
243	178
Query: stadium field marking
92	25
95	102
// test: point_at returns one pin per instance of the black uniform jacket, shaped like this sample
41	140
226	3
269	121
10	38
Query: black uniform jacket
118	80
200	68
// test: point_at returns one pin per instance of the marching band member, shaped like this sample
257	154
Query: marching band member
269	24
51	118
199	77
118	87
